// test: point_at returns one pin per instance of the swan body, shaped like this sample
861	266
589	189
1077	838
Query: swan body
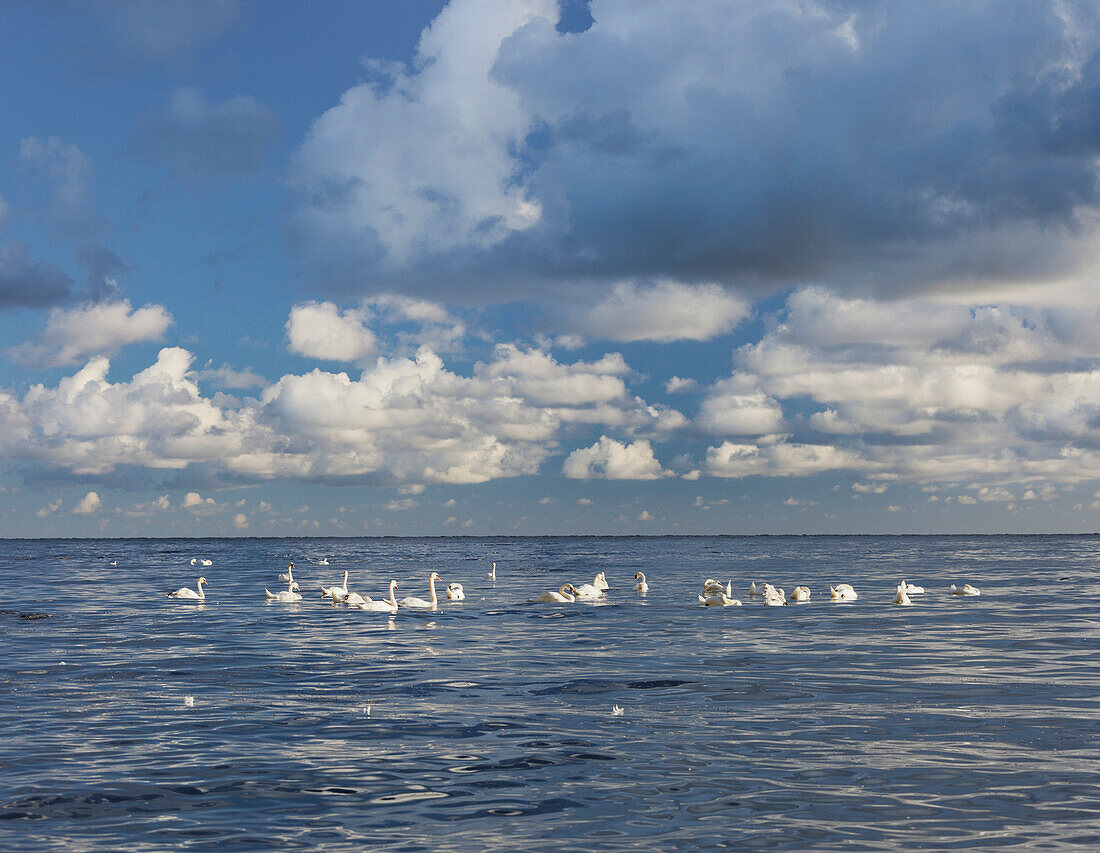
719	600
641	587
594	589
420	603
338	591
206	562
323	561
354	599
967	589
455	592
842	592
913	589
288	595
566	595
754	590
386	605
800	593
493	574
901	596
190	594
288	575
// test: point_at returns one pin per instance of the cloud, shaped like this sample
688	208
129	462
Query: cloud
760	144
88	504
227	377
740	414
193	501
30	284
779	460
612	460
197	137
321	330
133	33
73	334
402	422
919	389
680	384
49	509
240	521
420	159
664	312
68	173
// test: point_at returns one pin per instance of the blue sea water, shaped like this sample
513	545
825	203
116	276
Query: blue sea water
954	723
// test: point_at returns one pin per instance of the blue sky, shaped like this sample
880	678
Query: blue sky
515	266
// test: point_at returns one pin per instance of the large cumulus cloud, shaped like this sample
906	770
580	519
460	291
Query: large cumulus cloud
914	390
886	145
402	420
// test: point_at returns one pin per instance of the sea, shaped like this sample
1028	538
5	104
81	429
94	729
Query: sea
132	721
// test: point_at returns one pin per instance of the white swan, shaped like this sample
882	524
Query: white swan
354	599
913	589
455	593
753	590
287	595
720	600
338	591
566	595
194	561
288	575
713	587
493	574
386	605
967	589
774	596
901	597
420	603
641	587
800	593
842	592
190	594
323	561
594	589
206	562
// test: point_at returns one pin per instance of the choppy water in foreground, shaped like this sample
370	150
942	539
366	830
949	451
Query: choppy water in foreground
958	722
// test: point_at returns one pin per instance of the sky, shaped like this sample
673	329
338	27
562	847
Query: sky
489	267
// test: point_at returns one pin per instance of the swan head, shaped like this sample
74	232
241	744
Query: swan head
205	581
639	576
294	586
434	576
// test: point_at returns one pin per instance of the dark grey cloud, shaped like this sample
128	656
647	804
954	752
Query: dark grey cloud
885	145
30	284
197	137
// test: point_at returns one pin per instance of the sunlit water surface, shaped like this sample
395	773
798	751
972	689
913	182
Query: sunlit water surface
957	722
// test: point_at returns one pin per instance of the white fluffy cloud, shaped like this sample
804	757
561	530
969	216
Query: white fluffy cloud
921	389
88	504
612	460
101	328
740	414
423	156
322	330
663	312
404	420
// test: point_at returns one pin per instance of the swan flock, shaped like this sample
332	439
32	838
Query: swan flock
713	592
